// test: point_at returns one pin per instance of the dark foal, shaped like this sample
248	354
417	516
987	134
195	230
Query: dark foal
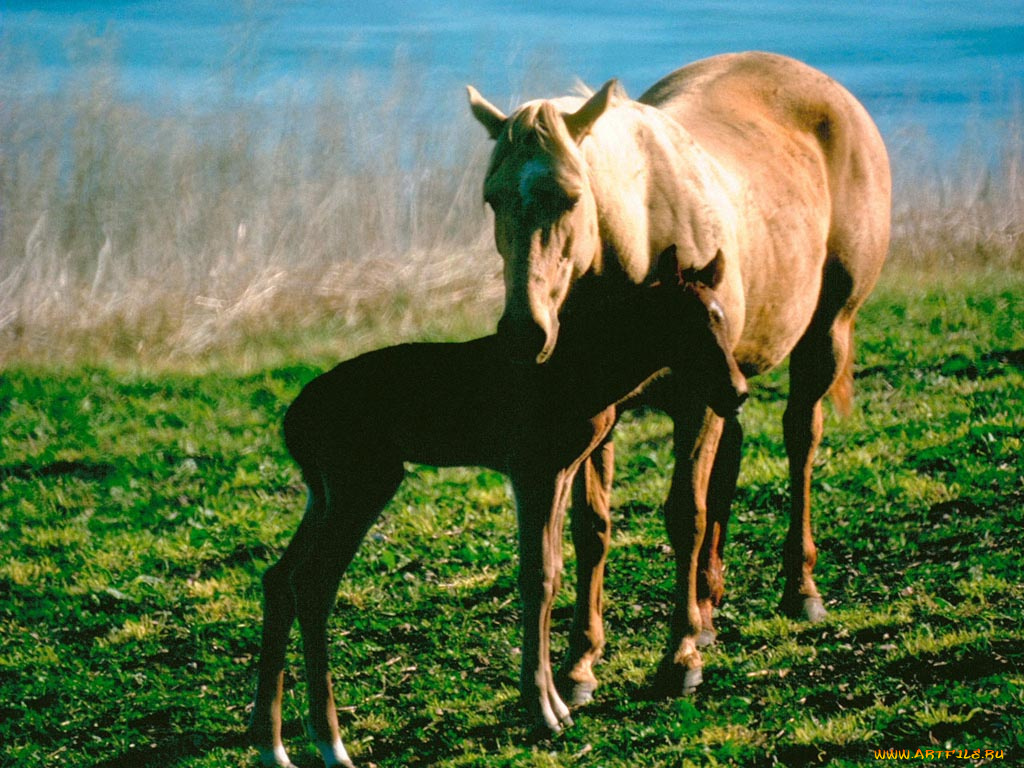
458	404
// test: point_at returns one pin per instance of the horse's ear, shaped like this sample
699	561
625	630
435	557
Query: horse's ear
582	120
710	274
488	115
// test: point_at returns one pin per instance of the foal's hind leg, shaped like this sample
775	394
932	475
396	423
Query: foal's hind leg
353	502
822	360
721	489
591	535
278	618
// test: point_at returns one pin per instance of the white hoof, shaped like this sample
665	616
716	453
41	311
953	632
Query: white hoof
706	638
814	609
334	754
275	758
582	693
692	679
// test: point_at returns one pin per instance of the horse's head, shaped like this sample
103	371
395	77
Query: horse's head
545	218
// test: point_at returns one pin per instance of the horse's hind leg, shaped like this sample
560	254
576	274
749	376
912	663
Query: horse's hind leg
721	489
354	499
821	360
591	535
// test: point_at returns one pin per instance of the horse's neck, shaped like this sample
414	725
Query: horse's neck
652	185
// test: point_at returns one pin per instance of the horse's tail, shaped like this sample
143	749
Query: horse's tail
841	391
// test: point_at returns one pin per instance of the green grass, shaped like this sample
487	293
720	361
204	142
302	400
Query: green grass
138	510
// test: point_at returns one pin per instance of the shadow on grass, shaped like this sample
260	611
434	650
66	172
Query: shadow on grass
182	747
85	470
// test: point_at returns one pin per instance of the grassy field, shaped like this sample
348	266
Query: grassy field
139	510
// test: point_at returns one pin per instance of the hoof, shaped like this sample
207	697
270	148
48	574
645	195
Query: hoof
692	679
814	610
274	757
334	755
575	693
799	607
582	694
672	681
706	638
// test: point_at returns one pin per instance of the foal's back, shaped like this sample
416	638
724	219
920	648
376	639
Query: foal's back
432	403
457	404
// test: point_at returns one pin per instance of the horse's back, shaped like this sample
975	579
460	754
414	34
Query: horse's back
725	100
773	118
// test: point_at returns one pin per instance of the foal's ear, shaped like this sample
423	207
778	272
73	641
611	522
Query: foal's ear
582	120
488	115
710	274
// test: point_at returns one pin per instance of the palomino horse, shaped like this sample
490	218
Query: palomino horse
753	156
352	428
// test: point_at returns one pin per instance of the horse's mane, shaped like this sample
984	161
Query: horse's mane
542	121
581	89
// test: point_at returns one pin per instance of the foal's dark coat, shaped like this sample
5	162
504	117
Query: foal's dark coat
352	428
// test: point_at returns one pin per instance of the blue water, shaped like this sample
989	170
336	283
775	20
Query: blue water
940	66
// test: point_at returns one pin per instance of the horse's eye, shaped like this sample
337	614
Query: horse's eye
553	200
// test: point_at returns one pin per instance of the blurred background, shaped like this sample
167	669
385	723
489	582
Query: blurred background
182	179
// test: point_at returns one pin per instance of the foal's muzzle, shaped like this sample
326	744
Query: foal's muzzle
728	401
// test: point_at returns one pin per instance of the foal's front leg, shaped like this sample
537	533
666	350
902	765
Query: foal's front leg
697	434
541	501
591	535
721	490
542	497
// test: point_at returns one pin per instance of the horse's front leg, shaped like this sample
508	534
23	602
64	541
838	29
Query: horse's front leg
697	433
541	501
591	534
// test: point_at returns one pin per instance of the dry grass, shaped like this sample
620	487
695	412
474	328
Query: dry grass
959	212
142	237
128	232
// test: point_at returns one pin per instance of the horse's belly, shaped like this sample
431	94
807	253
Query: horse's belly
780	298
766	345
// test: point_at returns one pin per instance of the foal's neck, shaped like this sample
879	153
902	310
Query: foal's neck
604	357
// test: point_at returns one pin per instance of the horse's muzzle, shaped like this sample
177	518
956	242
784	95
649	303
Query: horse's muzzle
527	343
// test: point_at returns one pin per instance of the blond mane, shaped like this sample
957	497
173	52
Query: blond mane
542	122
